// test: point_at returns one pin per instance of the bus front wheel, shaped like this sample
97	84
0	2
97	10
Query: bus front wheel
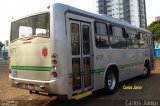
111	81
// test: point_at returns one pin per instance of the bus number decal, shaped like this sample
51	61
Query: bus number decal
99	57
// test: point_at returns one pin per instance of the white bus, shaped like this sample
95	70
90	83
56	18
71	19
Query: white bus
70	52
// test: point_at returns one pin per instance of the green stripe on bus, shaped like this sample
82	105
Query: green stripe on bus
120	66
32	68
98	70
93	71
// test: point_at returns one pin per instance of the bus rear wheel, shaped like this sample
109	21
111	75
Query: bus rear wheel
111	81
146	70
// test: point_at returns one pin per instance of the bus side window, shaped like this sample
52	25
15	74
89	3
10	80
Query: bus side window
124	33
110	30
138	36
150	40
132	41
118	40
75	40
101	35
143	40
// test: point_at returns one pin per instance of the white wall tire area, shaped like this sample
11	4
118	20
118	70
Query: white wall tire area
146	70
111	81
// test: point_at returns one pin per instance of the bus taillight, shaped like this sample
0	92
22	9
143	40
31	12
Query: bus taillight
54	74
54	61
54	57
10	71
55	66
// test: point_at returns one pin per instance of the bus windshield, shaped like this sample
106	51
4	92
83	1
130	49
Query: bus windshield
37	25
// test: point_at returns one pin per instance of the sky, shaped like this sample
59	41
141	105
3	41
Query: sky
16	8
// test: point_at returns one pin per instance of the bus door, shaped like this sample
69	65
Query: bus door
81	63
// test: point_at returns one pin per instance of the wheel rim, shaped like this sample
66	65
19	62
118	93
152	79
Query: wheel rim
111	81
145	71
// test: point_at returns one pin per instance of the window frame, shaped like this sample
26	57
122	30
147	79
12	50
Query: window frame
14	37
120	37
136	35
146	45
102	35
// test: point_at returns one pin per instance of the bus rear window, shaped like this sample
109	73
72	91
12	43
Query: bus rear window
37	25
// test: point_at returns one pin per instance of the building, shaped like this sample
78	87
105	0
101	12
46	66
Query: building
132	11
157	18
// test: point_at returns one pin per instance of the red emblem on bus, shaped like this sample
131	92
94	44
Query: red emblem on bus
44	51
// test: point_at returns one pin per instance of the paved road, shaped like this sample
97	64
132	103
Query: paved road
149	94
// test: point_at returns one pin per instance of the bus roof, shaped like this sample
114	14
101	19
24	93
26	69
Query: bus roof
94	15
59	6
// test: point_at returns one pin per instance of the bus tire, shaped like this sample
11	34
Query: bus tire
146	70
111	81
30	92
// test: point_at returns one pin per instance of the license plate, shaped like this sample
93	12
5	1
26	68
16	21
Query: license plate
28	86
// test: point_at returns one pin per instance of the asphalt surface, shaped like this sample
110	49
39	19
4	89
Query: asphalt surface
148	95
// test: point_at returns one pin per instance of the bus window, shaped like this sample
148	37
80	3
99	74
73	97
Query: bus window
75	39
25	31
143	40
37	25
101	36
40	31
86	40
118	39
150	40
133	39
110	30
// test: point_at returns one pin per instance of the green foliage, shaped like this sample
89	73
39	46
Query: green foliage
154	28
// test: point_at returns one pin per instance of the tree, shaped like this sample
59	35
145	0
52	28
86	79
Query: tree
154	28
